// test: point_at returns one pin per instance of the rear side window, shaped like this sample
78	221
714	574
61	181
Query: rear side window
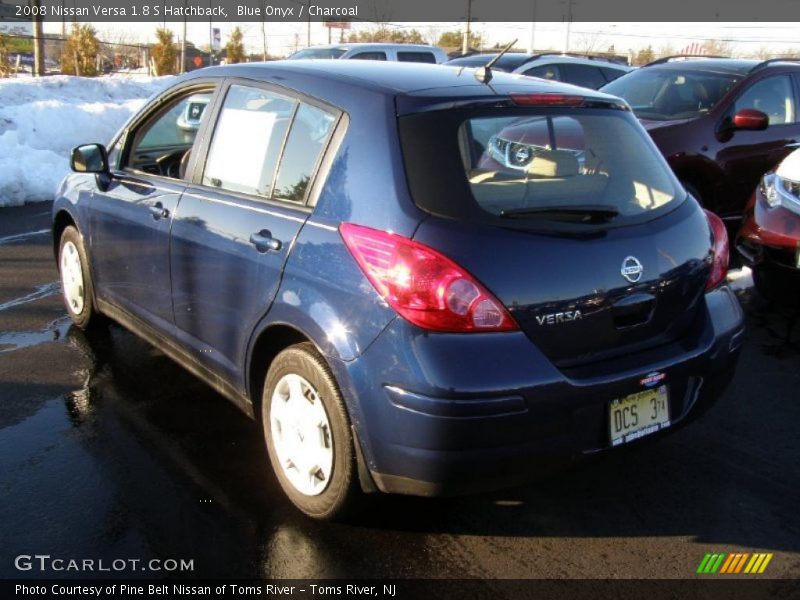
612	74
369	56
248	139
307	139
544	72
583	75
418	57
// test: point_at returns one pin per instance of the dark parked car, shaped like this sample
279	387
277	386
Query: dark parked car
769	241
588	71
332	252
722	123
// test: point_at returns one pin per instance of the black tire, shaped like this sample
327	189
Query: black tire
84	316
342	491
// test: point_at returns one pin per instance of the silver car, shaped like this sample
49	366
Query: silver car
418	53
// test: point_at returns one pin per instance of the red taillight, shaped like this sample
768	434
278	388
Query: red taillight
546	100
425	287
719	265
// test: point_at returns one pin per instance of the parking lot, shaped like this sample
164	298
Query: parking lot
110	450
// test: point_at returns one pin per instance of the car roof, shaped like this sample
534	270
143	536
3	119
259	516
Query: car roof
547	59
478	60
385	78
372	45
731	66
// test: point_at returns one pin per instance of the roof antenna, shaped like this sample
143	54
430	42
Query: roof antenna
484	74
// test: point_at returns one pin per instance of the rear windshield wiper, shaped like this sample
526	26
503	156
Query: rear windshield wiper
576	214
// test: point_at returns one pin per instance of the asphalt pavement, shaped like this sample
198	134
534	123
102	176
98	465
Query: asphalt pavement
110	450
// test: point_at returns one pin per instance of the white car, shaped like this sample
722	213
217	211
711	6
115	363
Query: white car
418	53
192	114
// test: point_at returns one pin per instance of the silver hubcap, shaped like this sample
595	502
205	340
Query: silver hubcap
301	435
72	277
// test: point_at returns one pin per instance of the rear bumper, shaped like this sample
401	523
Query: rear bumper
441	414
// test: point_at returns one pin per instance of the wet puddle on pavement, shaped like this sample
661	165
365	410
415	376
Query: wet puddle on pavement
16	340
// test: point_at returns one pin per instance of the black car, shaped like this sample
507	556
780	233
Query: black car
722	123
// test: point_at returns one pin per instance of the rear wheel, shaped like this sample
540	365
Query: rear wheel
307	432
76	279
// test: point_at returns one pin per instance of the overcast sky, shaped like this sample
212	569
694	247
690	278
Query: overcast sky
283	38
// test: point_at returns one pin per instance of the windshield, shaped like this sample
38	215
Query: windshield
582	165
319	53
667	95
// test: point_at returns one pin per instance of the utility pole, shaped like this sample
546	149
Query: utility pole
531	45
465	42
183	41
38	39
264	29
569	26
308	33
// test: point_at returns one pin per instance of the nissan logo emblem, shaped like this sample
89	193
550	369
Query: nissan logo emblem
632	269
522	155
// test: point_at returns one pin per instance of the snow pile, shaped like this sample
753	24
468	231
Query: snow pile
42	119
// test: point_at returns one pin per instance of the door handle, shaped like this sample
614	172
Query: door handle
264	242
158	211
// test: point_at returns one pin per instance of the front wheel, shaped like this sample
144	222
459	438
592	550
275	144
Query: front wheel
307	432
76	280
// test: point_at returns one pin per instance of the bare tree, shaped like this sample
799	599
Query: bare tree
586	43
717	48
666	50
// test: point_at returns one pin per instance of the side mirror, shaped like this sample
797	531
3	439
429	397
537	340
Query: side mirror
750	119
89	158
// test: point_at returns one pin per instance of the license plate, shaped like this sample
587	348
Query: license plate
638	415
797	256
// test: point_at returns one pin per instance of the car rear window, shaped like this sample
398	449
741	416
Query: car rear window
511	164
668	95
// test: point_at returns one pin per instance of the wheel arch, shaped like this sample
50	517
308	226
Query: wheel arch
268	343
62	219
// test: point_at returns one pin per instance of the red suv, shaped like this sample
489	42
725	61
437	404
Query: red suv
720	122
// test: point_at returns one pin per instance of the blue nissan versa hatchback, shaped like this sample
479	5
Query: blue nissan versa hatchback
356	256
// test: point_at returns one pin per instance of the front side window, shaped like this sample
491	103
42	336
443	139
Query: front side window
318	53
247	141
772	96
162	144
668	94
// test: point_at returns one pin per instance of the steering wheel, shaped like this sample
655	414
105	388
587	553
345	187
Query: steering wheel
169	164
